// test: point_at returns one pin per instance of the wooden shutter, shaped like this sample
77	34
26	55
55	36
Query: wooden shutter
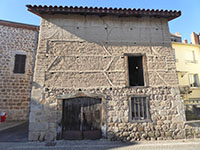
20	61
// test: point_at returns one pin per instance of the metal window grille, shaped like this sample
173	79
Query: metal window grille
20	61
139	108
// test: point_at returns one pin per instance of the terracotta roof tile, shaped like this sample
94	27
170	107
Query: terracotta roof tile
18	25
40	10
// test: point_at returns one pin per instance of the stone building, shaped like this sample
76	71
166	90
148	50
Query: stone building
17	49
103	72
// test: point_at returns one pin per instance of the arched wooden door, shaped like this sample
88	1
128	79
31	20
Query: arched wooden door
81	118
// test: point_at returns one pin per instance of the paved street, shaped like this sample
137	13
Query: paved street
102	145
15	138
17	133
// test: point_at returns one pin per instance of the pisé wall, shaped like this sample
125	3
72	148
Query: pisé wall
86	55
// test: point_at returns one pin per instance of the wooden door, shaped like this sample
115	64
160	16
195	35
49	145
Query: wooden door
82	118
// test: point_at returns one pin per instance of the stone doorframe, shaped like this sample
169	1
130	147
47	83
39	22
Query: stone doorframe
90	95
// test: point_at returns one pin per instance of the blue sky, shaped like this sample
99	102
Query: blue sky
15	10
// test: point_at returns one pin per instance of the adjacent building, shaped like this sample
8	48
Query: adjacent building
188	70
18	44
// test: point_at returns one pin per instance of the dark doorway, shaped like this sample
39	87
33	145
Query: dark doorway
81	118
135	69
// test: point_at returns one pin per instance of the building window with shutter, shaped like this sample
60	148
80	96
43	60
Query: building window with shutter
194	80
139	108
20	62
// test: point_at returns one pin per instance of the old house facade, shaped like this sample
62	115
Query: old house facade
105	72
17	48
187	65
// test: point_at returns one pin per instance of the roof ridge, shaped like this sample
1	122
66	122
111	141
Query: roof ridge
39	10
18	25
96	7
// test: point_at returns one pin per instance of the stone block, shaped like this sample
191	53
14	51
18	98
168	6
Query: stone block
180	135
190	133
50	136
151	134
41	136
38	126
33	136
169	134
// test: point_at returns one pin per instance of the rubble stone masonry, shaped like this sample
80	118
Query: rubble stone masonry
15	88
86	55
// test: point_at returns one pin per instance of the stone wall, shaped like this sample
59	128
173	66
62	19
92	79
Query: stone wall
86	54
15	88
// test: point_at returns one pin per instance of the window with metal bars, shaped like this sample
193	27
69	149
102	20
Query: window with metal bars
20	61
139	108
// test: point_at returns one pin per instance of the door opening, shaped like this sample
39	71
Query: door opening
81	118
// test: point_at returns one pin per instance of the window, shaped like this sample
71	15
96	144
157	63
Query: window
194	80
192	109
20	61
190	57
135	71
139	108
199	38
193	55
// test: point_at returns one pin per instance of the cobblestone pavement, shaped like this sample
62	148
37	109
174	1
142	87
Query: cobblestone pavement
102	145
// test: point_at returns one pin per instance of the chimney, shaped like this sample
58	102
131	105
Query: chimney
195	38
178	34
185	41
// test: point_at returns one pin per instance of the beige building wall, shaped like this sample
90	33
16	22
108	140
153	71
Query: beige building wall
16	38
187	63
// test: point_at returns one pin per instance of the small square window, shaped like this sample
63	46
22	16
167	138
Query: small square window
20	61
139	108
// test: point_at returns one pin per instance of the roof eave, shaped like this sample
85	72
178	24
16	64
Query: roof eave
19	25
40	10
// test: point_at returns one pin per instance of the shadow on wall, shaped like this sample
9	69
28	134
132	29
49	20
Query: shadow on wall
110	30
